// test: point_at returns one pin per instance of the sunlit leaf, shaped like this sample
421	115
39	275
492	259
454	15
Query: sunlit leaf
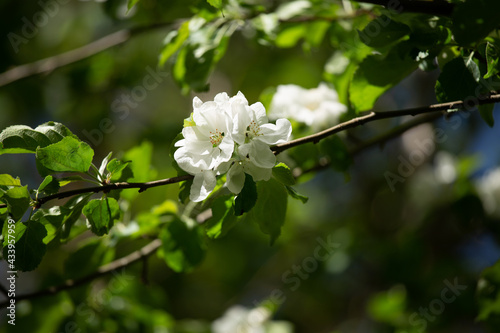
67	155
101	214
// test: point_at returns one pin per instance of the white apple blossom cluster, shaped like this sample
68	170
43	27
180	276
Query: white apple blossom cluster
227	135
318	108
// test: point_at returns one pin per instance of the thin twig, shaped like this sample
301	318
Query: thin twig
49	64
314	138
143	252
147	250
114	186
372	116
324	163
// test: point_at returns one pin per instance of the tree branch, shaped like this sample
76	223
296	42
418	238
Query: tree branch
49	64
149	249
314	138
378	140
142	253
372	116
441	8
114	186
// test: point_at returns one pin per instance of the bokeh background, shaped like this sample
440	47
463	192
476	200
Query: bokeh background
398	249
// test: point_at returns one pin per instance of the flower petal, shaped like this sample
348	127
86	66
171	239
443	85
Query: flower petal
273	134
259	153
256	172
203	185
235	178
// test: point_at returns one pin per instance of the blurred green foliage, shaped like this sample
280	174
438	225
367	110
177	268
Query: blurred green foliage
419	254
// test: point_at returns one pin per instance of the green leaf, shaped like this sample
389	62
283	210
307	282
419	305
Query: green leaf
335	149
140	164
283	174
131	3
30	247
67	155
246	199
270	209
173	42
49	185
296	195
52	220
383	31
493	58
116	166
8	180
18	201
223	218
23	139
185	189
195	61
216	3
71	211
289	36
474	19
182	247
377	74
486	112
458	80
101	214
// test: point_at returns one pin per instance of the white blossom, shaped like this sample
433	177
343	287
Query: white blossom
240	319
207	143
318	108
488	188
228	135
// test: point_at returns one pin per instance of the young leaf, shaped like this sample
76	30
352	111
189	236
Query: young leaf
102	167
30	247
270	210
296	195
101	214
223	218
246	199
67	155
493	58
131	3
283	174
181	246
8	180
116	166
49	185
173	42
